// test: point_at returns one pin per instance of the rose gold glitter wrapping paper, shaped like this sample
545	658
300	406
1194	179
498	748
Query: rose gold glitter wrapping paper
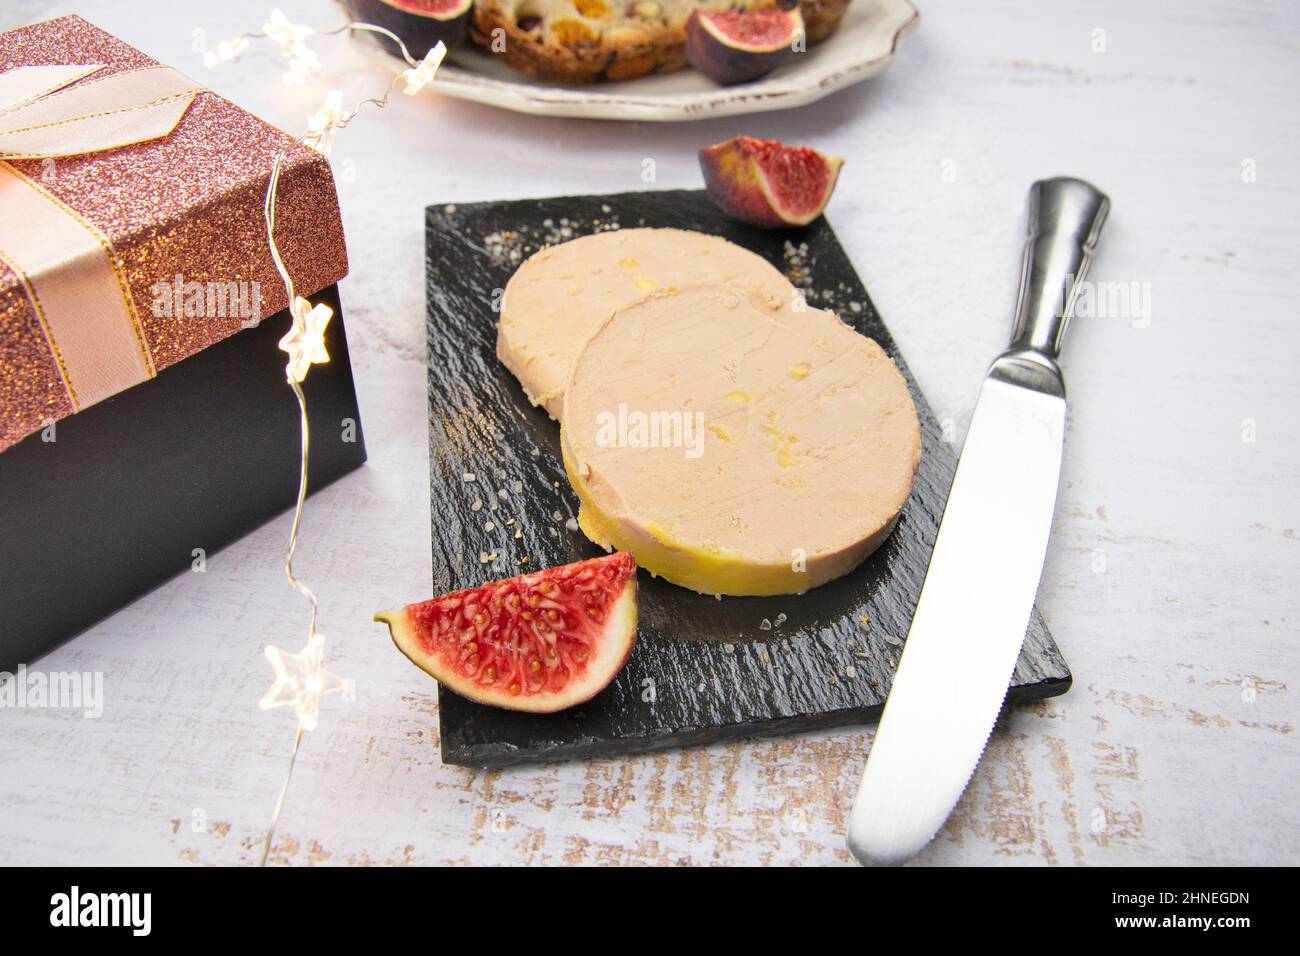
189	204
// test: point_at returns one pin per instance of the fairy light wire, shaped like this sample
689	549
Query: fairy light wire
279	800
272	193
303	422
317	681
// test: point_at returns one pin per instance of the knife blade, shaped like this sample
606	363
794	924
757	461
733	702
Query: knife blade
988	556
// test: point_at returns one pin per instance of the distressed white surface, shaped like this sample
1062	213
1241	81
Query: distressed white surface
1156	756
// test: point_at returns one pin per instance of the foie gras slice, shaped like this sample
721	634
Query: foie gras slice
558	295
737	444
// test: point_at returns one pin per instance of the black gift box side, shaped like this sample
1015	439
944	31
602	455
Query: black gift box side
131	488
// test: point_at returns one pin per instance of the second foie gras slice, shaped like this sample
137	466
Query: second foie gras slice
557	296
737	444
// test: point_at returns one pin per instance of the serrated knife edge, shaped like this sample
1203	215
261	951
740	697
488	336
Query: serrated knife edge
979	590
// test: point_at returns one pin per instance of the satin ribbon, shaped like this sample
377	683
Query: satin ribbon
65	263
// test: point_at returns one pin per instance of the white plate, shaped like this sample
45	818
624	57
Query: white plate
863	46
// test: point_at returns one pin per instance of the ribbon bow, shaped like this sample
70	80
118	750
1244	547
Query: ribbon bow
40	119
65	264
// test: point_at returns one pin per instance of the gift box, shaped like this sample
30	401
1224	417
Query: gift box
145	419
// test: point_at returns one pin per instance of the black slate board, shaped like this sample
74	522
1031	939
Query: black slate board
703	670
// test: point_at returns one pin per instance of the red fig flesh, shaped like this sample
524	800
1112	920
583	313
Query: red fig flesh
767	183
731	47
539	642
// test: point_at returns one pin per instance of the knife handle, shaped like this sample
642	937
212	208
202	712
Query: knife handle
1065	219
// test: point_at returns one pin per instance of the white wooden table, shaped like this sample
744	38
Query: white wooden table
1171	582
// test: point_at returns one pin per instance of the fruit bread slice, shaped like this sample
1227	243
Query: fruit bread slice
580	41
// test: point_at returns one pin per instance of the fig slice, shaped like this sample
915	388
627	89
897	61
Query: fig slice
764	182
420	23
732	47
538	642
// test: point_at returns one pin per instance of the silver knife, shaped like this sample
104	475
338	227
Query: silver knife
988	557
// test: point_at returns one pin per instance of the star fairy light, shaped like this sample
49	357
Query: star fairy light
300	679
226	52
292	39
301	60
418	77
323	124
304	343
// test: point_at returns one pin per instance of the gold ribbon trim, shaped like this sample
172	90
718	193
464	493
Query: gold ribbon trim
70	274
65	263
119	110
